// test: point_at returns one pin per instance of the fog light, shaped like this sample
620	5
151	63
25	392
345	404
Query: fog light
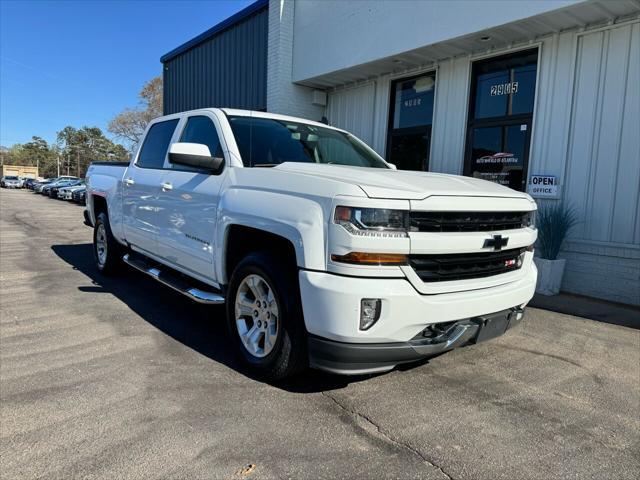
369	312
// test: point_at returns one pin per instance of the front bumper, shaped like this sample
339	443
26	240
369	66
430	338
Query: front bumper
331	307
360	358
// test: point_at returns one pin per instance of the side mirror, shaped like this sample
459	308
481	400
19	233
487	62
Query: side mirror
392	166
194	155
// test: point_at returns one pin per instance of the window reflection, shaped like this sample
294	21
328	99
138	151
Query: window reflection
414	102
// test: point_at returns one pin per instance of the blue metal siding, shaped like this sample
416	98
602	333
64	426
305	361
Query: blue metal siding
227	69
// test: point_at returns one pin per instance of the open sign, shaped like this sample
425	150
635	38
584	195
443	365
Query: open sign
543	186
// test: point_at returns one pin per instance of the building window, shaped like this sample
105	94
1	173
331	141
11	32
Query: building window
410	119
500	118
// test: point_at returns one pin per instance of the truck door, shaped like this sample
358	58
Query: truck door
189	199
141	186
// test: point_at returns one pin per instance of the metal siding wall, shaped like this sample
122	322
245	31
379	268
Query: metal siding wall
228	70
353	110
603	161
586	131
364	110
450	116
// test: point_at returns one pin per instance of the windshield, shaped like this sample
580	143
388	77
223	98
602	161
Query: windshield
11	178
265	142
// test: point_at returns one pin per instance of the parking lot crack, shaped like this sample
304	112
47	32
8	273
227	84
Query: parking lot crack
375	429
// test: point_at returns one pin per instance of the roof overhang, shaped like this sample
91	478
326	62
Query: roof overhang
577	16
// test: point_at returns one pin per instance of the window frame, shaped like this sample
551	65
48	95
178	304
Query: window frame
175	138
391	132
146	133
221	138
501	121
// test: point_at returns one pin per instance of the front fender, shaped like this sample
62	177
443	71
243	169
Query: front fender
301	220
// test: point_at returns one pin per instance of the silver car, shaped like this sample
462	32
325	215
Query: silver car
66	193
10	181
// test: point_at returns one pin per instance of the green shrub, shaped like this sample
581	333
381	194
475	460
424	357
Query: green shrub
554	223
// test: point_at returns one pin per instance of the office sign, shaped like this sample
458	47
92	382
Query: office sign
544	186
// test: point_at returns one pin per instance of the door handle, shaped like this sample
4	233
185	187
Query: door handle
129	181
166	186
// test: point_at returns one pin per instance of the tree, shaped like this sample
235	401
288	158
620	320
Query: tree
36	153
129	124
80	147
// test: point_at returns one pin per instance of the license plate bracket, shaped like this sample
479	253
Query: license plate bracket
492	326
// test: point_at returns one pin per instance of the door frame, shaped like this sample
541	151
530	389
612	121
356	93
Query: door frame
528	118
519	120
409	130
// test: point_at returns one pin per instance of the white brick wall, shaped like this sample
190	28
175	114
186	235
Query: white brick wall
283	96
603	272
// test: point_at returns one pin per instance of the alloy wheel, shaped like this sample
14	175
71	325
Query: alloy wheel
256	315
101	244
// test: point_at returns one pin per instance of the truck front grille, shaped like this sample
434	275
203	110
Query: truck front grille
468	221
445	268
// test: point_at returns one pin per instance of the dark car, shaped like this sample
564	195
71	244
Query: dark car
28	183
80	196
44	187
38	186
46	190
52	191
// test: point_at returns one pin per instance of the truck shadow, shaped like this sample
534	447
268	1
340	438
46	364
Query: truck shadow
199	327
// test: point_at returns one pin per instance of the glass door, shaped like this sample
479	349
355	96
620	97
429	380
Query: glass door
499	153
500	118
410	119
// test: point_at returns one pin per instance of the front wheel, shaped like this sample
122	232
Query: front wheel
265	317
106	249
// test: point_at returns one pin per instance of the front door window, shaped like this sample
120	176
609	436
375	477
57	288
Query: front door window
500	118
410	119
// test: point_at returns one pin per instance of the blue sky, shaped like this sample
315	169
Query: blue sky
81	62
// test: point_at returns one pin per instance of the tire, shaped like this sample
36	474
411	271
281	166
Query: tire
107	251
287	354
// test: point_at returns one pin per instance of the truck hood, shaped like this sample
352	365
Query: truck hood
402	185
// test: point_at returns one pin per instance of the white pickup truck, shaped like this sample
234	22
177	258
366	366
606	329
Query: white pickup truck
325	255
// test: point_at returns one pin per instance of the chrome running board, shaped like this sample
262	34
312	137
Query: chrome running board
174	281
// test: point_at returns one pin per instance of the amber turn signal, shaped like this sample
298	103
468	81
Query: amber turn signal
380	259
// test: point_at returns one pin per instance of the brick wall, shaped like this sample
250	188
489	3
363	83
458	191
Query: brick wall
603	272
283	96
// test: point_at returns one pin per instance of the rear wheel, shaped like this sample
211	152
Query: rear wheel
106	249
265	318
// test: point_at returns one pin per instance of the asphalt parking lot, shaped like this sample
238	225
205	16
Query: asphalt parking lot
123	378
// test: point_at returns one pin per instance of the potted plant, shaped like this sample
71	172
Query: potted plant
554	223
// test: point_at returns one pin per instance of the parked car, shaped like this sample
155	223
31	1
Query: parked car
10	181
66	193
79	196
58	182
37	187
324	254
49	181
53	190
45	188
28	183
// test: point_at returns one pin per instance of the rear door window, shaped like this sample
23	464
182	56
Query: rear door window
155	146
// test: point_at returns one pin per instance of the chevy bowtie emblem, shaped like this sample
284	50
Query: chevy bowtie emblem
497	242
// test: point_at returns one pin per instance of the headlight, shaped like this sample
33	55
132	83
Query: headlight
375	222
530	219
